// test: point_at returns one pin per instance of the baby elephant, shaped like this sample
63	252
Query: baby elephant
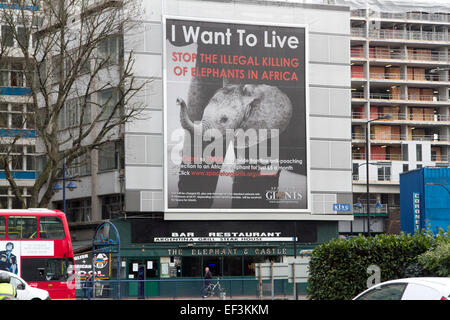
242	107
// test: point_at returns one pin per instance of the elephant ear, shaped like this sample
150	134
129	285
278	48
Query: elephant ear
252	101
250	108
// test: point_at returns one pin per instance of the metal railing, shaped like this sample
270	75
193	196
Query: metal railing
439	157
419	16
176	288
403	117
378	157
411	97
407	35
395	54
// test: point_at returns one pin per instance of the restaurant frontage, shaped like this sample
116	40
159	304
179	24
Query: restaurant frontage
169	257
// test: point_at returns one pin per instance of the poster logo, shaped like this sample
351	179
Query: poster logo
235	110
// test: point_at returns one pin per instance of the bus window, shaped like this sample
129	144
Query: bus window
2	227
51	228
58	269
22	227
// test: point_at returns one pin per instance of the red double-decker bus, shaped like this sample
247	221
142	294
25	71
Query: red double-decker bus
35	244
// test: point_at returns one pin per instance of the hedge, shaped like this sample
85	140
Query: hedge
339	269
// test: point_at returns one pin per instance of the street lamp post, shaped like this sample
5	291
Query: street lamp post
385	117
71	186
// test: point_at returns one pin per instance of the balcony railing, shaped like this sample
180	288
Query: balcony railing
404	117
357	95
389	34
358	32
393	54
411	97
378	156
402	77
374	209
439	157
358	156
419	16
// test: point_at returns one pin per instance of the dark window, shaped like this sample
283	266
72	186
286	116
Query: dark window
404	152
418	152
7	36
2	227
51	228
214	264
191	267
22	227
46	270
406	167
232	266
249	265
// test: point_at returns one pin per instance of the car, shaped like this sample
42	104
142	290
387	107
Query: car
25	291
409	289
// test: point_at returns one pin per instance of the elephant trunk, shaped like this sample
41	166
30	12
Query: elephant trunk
186	122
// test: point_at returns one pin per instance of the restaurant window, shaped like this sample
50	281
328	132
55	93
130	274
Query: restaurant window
214	264
191	267
232	266
249	263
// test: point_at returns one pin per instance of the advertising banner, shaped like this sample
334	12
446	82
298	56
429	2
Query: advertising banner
235	116
11	253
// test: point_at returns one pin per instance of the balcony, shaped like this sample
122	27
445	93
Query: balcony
388	34
375	209
422	98
401	117
439	157
401	77
415	16
420	55
358	32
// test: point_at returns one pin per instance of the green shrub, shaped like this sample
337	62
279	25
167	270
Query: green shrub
437	260
338	269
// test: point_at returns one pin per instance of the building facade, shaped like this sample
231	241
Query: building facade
233	221
17	128
400	67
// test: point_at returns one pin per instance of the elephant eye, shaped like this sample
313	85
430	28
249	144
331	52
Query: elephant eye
224	119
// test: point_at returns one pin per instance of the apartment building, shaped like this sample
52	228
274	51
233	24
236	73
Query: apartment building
17	134
400	63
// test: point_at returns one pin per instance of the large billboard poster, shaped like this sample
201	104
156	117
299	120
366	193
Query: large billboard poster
236	133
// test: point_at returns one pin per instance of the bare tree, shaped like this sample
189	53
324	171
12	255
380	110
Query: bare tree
82	85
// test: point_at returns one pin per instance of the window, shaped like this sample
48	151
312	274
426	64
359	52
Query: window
384	173
191	267
109	156
108	50
75	111
214	264
58	269
2	227
355	171
418	152
404	152
22	227
12	75
249	263
108	102
51	228
405	167
386	292
7	36
232	266
46	270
